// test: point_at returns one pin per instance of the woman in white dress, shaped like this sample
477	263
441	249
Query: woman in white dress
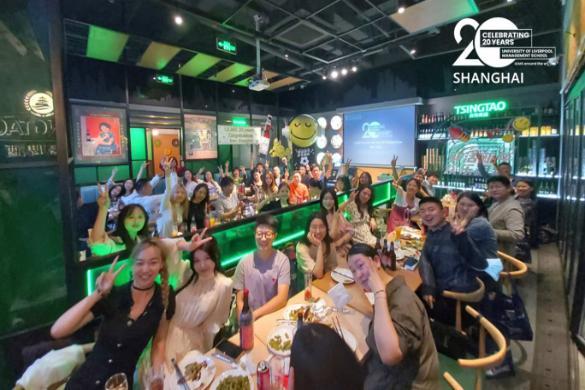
202	302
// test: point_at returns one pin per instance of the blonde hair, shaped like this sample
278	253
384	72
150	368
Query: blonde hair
164	272
184	205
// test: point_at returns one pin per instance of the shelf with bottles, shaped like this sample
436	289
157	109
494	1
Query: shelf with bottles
542	131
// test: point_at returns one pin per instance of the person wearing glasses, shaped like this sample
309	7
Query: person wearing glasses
265	273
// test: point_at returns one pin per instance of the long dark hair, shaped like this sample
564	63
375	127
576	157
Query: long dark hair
314	369
332	192
345	181
198	210
472	196
370	181
122	191
370	202
273	188
120	230
212	249
326	240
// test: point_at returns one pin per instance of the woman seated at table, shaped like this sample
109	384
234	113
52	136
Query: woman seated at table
132	314
190	181
315	252
321	359
202	302
212	186
405	205
174	206
198	206
360	207
505	214
364	179
342	184
131	227
403	354
270	194
339	229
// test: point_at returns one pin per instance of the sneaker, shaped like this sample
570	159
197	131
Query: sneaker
501	371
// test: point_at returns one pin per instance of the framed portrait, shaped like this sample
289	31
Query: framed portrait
200	137
99	135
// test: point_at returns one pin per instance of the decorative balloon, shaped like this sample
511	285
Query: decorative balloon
457	133
303	130
521	123
508	137
278	150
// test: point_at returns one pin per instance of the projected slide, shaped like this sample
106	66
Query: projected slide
372	137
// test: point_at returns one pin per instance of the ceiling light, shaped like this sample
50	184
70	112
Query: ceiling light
401	9
412	52
286	56
334	74
324	77
509	1
343	71
354	68
178	20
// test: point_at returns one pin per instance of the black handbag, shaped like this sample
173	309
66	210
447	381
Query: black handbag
449	341
508	314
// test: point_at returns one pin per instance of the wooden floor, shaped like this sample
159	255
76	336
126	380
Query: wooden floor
542	364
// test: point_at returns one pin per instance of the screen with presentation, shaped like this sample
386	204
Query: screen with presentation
373	137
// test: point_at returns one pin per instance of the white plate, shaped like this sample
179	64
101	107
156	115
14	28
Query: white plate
286	332
230	373
207	373
342	275
291	308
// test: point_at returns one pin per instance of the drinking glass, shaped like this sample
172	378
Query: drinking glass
117	382
308	285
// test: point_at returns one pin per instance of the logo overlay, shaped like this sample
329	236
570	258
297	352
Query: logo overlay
39	103
498	43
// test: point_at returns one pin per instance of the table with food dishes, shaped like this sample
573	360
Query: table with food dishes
274	333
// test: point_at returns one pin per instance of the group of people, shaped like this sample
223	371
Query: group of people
455	253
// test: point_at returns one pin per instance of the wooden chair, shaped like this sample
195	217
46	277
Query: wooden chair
513	269
474	296
482	362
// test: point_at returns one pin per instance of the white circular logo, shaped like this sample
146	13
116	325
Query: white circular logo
321	141
320	156
336	141
322	122
336	158
39	103
336	122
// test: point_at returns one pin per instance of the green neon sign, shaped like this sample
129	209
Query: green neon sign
239	121
226	46
164	79
481	109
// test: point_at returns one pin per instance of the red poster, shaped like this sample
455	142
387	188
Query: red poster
100	136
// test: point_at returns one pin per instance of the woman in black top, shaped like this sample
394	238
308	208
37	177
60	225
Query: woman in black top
132	315
198	207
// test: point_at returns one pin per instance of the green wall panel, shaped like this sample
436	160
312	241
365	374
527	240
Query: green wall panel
135	168
138	143
105	172
85	175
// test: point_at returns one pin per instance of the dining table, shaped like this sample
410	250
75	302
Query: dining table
355	318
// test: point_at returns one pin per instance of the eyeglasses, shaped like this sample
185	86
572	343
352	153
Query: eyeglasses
267	235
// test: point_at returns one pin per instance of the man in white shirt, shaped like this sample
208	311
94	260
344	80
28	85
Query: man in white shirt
228	204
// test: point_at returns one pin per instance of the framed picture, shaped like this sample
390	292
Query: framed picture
99	135
200	137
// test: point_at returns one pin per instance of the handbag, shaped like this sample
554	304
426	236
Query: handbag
508	314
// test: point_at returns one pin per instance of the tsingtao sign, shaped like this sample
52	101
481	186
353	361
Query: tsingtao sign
482	109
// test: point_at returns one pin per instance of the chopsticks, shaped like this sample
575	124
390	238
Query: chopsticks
337	326
343	275
182	381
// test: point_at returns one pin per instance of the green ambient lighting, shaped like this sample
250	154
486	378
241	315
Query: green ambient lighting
482	109
226	46
164	79
104	44
239	121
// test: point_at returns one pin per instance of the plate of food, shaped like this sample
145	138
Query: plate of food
198	369
342	275
292	312
280	340
236	379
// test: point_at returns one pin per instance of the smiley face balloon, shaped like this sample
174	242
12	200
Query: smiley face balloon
303	130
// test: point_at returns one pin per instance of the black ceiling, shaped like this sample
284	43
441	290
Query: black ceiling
302	38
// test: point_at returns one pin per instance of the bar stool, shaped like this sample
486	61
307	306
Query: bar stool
470	297
483	362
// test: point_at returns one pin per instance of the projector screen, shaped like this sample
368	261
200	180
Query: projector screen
373	137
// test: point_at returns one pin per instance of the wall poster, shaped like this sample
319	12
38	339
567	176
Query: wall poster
99	135
200	137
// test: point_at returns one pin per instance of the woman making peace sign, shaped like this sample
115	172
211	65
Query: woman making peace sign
132	315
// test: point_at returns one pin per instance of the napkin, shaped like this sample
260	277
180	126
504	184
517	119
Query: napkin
247	364
339	295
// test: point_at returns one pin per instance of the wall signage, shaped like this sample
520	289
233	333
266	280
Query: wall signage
237	135
39	103
482	109
226	46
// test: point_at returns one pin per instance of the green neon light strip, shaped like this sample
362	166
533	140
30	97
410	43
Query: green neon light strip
158	55
244	82
198	64
104	44
473	6
232	71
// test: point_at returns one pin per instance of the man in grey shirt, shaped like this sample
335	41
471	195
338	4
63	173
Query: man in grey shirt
265	273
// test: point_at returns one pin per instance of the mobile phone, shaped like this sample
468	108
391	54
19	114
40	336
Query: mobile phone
411	263
229	348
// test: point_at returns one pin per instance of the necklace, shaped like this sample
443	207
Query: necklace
142	289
